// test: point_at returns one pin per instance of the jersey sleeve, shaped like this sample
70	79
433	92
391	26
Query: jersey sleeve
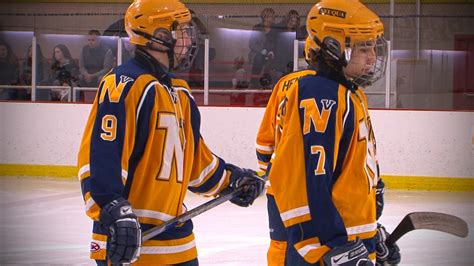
110	138
303	165
265	143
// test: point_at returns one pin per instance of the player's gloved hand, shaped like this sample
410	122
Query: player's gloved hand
386	254
351	254
379	194
124	237
247	178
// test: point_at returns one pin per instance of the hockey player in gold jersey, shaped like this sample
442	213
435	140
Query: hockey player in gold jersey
142	149
317	134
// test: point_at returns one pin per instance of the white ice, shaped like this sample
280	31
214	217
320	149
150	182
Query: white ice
42	221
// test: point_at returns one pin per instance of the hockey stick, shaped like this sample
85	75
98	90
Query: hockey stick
148	234
429	220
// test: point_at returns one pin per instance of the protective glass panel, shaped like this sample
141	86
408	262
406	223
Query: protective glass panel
15	65
76	65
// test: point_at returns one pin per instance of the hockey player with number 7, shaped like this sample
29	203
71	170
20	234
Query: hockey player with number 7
318	148
142	148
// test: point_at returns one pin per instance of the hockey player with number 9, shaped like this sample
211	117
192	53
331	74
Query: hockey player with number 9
142	148
325	192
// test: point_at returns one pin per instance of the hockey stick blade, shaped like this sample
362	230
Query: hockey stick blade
189	214
429	220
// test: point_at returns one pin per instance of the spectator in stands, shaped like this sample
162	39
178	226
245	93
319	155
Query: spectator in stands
240	81
9	74
42	71
95	61
290	23
262	46
285	43
128	50
65	72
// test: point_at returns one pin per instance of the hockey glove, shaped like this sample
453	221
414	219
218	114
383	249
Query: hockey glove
351	254
124	234
386	254
247	178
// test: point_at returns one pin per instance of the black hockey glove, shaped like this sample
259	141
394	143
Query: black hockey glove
351	254
247	178
386	254
379	194
124	234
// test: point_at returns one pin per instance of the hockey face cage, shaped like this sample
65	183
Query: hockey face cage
374	69
186	46
181	44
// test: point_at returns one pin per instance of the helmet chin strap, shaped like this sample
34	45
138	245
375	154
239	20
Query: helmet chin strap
169	50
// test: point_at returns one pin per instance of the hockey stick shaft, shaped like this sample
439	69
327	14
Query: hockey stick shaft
190	214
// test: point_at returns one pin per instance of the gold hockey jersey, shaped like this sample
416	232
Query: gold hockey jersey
323	169
142	142
271	127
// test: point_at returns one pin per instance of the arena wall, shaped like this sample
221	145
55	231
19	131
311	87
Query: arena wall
414	147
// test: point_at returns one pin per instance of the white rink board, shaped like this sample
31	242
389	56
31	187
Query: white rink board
409	143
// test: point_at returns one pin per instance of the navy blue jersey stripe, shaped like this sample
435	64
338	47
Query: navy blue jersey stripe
195	121
319	187
85	185
142	130
346	137
264	157
105	156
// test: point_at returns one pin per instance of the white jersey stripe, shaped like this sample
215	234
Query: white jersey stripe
89	204
366	228
152	214
304	250
167	249
264	148
84	169
294	213
204	172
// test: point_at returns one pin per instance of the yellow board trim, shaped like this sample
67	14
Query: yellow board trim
38	170
429	183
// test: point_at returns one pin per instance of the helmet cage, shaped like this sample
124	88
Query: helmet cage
185	45
373	72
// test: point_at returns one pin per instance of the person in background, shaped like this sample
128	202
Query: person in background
95	61
128	50
284	46
262	47
326	205
42	71
64	72
240	81
142	148
9	73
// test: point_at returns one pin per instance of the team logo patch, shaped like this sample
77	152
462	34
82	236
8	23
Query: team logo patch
95	247
332	12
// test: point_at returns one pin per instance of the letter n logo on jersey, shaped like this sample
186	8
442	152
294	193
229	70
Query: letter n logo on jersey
312	114
112	89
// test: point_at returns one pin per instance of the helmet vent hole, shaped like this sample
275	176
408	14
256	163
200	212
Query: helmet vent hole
138	16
